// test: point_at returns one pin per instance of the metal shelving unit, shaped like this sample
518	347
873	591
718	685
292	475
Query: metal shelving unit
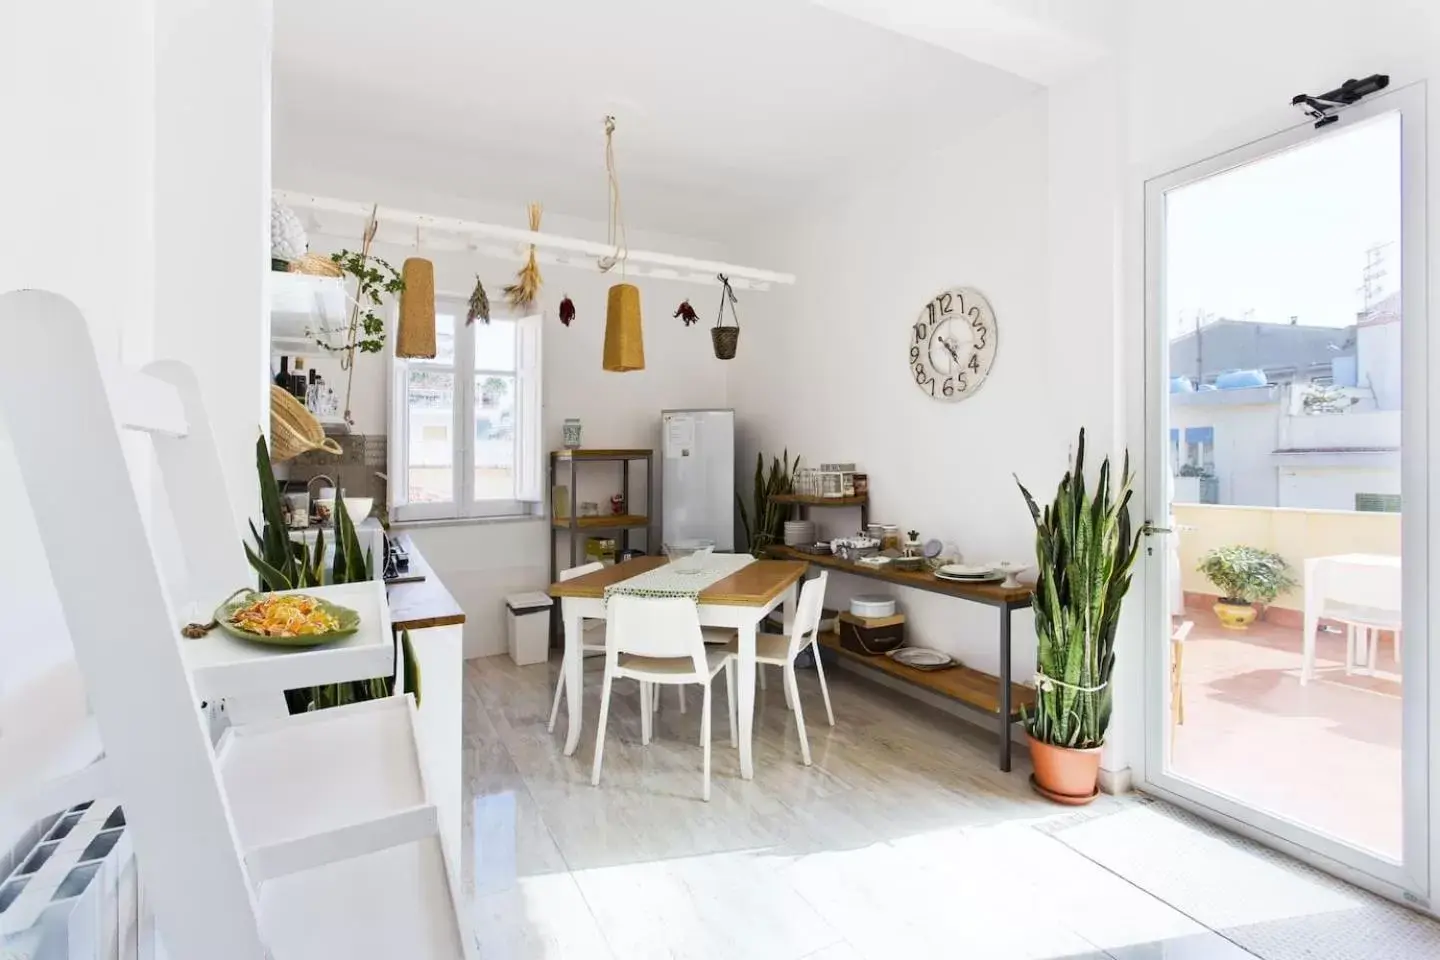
575	525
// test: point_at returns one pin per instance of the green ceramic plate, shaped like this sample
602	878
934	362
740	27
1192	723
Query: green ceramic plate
349	624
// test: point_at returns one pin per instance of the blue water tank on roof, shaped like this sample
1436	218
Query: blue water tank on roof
1241	379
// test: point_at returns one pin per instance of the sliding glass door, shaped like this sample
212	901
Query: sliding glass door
1287	561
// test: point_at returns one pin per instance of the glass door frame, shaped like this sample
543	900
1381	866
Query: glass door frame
1409	879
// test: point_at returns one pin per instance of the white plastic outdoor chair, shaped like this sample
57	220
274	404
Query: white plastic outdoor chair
779	650
658	641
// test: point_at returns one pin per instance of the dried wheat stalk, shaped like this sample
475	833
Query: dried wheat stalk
526	288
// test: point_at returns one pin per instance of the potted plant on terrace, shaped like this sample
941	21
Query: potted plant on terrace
1244	576
1085	550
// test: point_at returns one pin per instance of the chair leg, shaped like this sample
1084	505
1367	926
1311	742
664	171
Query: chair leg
681	691
794	689
559	689
600	729
705	737
730	703
760	672
824	687
785	685
1372	640
647	694
1350	648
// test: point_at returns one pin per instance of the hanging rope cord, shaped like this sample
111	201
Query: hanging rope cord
615	229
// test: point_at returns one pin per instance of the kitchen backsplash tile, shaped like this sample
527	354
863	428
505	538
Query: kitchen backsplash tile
361	457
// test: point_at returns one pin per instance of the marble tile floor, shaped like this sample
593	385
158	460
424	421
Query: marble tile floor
902	841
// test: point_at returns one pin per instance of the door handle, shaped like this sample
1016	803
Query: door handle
1151	530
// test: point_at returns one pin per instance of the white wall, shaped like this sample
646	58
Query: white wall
821	368
79	221
482	563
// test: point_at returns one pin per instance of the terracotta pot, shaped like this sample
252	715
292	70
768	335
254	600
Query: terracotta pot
1065	775
1234	616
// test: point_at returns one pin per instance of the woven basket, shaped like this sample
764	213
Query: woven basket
316	266
726	340
293	429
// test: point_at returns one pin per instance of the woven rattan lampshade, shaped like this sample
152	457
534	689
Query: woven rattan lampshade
624	343
415	335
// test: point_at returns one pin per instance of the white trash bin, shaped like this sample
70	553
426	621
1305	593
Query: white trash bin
527	627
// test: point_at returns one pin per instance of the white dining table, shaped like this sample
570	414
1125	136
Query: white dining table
740	601
1357	583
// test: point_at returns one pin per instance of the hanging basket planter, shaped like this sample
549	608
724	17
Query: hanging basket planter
725	339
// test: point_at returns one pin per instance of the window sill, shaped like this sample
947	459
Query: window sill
465	521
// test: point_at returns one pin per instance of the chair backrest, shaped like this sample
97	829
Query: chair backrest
808	612
581	570
117	607
654	627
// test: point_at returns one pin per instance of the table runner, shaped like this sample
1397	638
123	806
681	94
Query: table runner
666	581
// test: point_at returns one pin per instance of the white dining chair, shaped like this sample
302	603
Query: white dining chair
592	634
658	641
779	650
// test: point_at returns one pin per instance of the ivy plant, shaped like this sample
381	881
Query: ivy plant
375	279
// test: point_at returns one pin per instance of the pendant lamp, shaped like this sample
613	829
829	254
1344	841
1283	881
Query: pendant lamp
415	333
624	343
624	339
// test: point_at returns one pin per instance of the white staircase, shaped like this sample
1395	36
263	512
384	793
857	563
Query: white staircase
297	838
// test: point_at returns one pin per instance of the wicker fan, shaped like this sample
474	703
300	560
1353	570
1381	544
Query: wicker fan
293	429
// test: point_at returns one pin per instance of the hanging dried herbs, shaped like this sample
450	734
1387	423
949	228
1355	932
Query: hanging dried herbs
479	304
526	288
686	312
567	310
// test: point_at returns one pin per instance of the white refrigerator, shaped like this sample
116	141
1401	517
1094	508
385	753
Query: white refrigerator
697	481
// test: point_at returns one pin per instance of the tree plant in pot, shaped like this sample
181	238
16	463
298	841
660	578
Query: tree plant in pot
1244	576
1085	550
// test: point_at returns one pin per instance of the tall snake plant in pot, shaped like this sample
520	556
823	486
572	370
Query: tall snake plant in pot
1085	549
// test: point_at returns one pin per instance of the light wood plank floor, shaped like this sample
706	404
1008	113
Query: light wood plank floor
901	841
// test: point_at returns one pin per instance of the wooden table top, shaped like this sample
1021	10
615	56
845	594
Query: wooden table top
753	585
416	606
988	593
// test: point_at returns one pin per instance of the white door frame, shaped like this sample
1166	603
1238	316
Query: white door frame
1410	879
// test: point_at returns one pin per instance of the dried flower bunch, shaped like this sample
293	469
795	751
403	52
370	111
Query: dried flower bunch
526	288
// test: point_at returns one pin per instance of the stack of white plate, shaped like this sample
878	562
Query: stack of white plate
968	573
799	533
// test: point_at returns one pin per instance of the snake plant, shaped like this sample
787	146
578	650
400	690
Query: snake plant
1085	548
769	516
281	563
285	564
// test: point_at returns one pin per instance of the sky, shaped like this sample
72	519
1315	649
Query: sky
1287	235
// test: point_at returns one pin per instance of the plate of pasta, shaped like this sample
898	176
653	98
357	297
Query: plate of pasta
286	619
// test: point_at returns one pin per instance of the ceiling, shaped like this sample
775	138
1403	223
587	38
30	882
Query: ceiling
729	113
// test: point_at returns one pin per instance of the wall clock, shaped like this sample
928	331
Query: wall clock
952	344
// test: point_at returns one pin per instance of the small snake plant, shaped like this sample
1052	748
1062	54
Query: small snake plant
1085	548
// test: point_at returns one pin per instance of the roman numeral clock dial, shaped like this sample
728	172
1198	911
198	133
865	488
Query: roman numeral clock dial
952	344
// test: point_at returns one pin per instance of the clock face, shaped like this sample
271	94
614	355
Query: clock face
952	344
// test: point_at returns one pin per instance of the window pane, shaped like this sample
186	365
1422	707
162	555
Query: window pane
494	437
430	406
495	345
444	340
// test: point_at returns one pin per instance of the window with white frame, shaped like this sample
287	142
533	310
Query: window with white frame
465	426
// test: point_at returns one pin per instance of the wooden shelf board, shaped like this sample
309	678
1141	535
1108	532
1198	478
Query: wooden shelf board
587	454
971	687
607	521
988	593
808	501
